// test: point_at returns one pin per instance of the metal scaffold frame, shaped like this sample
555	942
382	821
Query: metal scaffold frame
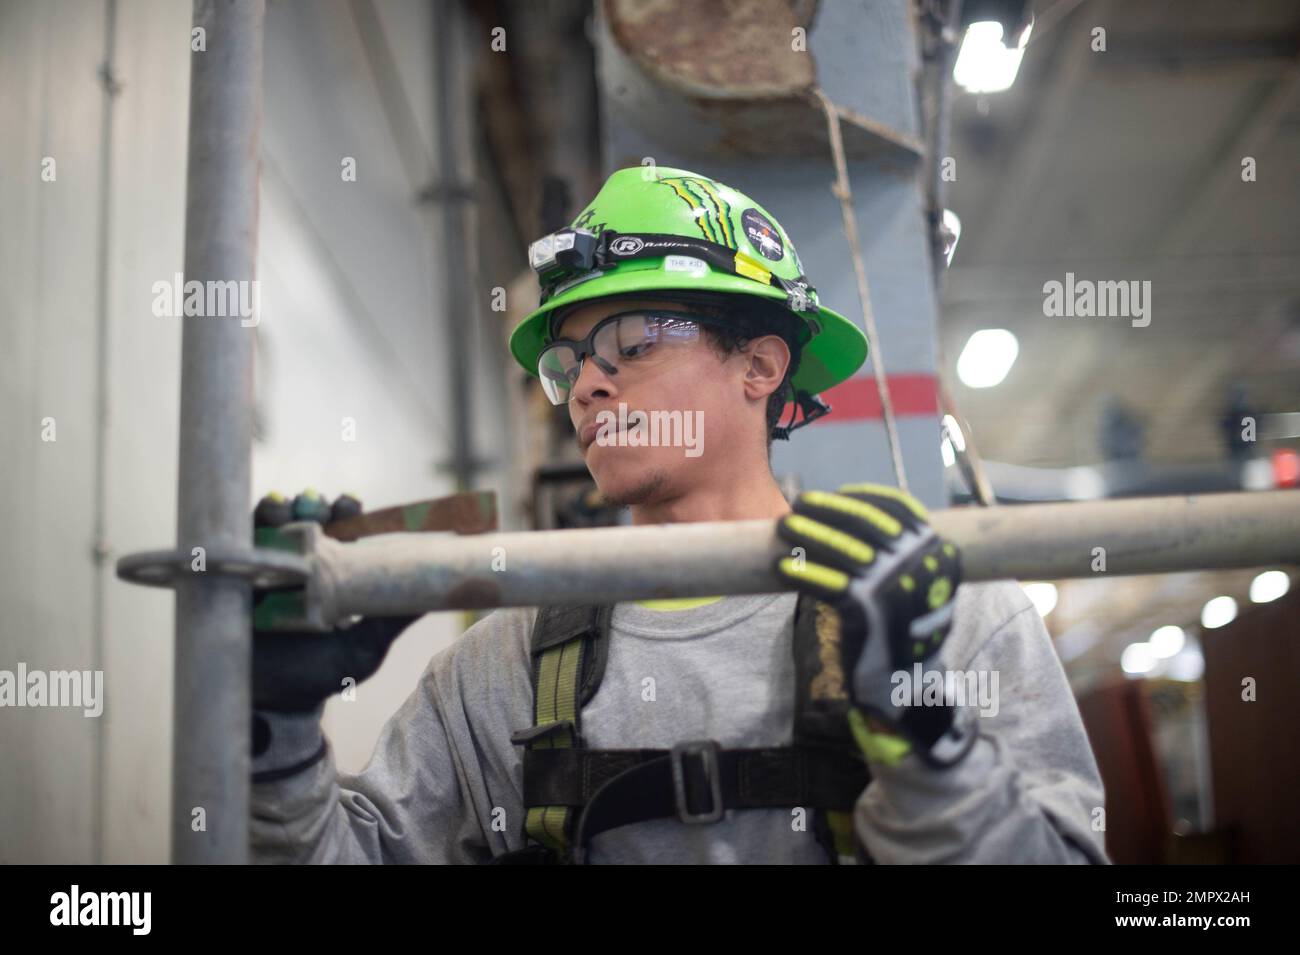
210	747
420	572
411	573
406	573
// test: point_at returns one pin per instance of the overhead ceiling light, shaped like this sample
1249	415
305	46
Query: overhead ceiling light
953	441
1269	585
1257	475
952	234
1188	665
1218	612
1042	594
985	64
952	430
1166	642
1137	659
987	357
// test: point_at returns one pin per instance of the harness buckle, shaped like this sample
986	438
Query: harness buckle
707	751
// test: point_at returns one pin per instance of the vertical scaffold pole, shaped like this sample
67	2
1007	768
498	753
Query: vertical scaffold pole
210	747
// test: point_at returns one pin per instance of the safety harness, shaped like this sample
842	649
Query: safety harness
572	793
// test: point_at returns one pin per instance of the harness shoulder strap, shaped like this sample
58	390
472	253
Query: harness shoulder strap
822	705
570	645
570	790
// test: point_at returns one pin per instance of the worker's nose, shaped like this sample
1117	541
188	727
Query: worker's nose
594	381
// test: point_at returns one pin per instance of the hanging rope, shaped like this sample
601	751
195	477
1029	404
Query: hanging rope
841	191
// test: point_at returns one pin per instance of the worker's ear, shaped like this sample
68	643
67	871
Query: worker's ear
768	358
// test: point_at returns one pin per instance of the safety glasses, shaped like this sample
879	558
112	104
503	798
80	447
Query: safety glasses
635	339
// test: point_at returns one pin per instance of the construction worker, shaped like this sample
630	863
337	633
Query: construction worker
826	723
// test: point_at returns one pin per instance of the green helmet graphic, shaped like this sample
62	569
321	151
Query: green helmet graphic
654	230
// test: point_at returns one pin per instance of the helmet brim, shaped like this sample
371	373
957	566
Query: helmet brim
837	349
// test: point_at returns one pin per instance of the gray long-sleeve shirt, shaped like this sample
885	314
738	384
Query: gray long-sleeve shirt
445	782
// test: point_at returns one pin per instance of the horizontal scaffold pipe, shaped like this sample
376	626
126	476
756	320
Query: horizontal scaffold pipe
410	573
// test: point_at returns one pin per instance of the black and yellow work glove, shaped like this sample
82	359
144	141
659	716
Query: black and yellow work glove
869	552
296	672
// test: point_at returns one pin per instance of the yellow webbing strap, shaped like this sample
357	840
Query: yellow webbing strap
556	700
841	826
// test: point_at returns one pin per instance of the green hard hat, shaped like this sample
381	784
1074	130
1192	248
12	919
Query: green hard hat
654	230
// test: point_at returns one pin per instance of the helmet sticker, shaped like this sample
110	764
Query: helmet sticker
626	245
584	222
685	263
762	235
710	211
721	209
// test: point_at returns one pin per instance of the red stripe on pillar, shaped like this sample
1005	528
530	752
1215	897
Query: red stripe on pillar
858	399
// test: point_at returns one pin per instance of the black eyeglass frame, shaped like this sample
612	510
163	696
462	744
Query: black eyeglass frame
811	406
585	348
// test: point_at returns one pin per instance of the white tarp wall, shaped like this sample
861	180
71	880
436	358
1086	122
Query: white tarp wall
351	329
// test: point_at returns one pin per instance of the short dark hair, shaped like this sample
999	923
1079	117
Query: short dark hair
746	318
